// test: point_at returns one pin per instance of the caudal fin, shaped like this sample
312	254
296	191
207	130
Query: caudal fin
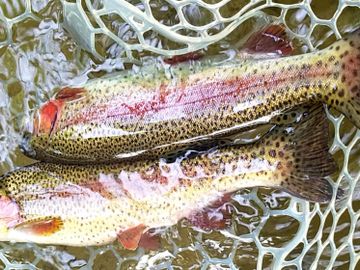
345	97
304	159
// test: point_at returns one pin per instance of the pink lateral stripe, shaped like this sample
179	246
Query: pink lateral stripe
192	99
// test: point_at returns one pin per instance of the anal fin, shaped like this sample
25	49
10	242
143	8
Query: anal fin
150	241
216	216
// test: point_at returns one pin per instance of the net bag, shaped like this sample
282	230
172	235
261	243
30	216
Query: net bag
44	44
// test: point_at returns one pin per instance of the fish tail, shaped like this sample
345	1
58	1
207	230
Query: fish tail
345	96
303	157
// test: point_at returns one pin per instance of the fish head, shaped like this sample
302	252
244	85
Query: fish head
48	125
37	134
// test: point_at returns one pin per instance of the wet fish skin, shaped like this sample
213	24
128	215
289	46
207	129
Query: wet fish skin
157	112
91	205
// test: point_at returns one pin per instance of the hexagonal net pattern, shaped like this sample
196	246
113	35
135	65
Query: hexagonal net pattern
270	229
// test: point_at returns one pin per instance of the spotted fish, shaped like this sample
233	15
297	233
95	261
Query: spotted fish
96	204
156	112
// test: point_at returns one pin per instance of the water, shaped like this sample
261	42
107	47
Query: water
40	57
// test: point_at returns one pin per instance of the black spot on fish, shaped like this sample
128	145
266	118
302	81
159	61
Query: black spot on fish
341	93
272	153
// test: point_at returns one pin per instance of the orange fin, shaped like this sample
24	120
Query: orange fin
183	58
42	226
48	115
70	94
216	216
130	238
150	241
271	39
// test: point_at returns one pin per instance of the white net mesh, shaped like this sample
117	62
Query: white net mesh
270	229
171	27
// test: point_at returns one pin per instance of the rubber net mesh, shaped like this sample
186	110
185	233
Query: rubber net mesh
270	229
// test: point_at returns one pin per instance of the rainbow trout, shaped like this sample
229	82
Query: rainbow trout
156	112
95	204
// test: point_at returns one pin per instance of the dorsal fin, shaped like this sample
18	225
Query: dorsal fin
69	94
271	39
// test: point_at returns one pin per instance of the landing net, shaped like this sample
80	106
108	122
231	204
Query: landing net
270	228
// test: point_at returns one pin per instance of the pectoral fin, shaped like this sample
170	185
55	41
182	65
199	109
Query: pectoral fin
130	238
43	226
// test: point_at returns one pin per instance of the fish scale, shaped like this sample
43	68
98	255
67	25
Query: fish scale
110	119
